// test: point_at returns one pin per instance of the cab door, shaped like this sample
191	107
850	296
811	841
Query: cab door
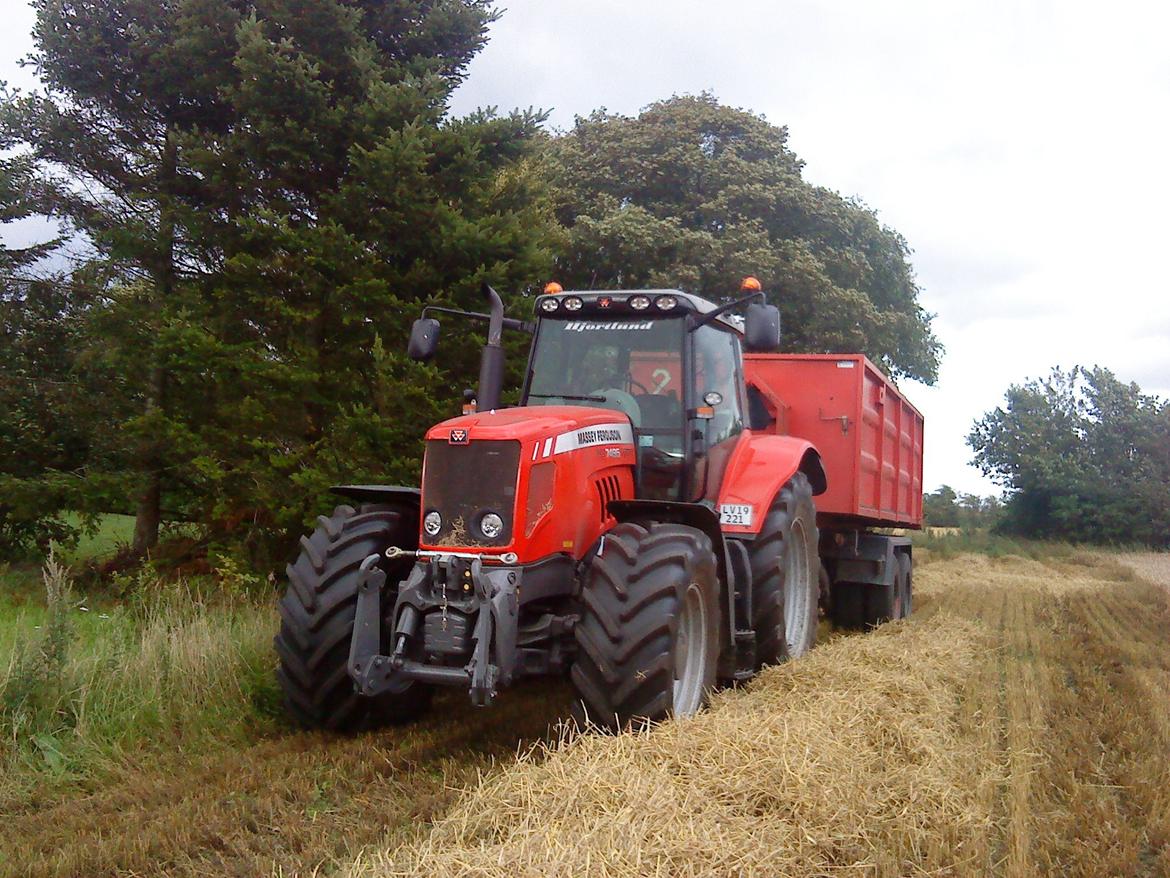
717	407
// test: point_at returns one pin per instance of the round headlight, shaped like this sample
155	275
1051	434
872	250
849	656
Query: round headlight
639	303
491	525
665	303
433	523
548	305
573	303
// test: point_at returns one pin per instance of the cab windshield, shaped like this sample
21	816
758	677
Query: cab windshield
631	365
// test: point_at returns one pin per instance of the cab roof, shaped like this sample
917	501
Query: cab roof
597	303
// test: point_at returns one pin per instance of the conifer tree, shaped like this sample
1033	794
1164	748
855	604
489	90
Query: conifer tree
274	186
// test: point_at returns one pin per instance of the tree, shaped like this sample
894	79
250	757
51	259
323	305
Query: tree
939	507
694	194
1083	456
272	188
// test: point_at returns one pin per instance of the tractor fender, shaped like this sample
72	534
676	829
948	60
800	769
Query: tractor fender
759	467
393	495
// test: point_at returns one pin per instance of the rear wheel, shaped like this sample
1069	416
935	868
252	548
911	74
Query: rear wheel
884	603
648	636
317	614
786	575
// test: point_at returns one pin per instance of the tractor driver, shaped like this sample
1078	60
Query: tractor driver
605	377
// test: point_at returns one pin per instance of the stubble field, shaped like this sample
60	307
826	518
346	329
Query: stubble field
1017	725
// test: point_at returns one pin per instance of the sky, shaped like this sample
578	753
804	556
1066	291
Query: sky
1020	148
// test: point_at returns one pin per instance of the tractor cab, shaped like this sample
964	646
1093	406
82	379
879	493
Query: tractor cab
669	362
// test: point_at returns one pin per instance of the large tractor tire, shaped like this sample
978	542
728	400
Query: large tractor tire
317	614
648	635
786	576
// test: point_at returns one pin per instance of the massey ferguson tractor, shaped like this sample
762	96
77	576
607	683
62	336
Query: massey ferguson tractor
666	511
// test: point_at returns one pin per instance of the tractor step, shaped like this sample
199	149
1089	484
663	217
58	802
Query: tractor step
745	655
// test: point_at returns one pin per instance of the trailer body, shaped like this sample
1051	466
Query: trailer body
869	438
868	434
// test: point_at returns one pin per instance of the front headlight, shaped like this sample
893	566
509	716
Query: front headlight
433	523
491	525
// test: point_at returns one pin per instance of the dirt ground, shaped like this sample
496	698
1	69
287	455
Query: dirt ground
1018	725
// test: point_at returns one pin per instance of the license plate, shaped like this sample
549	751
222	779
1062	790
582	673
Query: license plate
737	514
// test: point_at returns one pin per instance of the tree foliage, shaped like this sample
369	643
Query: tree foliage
263	193
945	507
694	194
1084	457
273	187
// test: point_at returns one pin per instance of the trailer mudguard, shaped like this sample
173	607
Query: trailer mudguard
759	467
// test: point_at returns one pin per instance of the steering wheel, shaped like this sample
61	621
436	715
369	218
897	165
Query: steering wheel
638	384
621	401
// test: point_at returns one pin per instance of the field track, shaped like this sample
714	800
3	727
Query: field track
1018	726
299	801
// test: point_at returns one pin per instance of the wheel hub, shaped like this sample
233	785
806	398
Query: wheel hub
690	652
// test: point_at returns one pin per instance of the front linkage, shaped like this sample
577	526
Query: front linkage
457	625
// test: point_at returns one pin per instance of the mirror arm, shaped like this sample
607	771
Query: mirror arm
509	322
723	309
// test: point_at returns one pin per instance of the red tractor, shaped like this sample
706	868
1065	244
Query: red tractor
644	519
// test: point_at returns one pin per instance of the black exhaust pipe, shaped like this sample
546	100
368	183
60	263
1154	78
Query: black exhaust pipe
491	362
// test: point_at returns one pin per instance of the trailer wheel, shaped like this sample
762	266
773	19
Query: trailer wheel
785	575
884	603
648	635
316	621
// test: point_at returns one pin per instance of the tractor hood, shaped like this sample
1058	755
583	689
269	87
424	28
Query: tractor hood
492	480
561	427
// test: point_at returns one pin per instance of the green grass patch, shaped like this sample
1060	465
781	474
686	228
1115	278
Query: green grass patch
110	533
946	545
174	664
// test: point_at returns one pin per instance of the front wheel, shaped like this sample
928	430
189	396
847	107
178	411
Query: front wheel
317	615
648	635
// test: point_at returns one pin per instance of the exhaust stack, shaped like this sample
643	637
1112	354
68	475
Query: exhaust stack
491	363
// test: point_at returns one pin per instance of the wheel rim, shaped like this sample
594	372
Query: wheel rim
796	589
690	652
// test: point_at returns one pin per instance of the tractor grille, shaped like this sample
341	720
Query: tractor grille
463	482
608	488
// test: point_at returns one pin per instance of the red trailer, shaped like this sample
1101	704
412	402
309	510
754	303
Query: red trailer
869	438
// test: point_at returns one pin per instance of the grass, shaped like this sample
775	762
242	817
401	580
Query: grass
112	532
1017	725
169	666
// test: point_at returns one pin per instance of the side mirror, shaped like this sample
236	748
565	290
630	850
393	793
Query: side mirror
761	333
424	339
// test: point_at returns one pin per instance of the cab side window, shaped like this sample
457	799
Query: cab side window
718	383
